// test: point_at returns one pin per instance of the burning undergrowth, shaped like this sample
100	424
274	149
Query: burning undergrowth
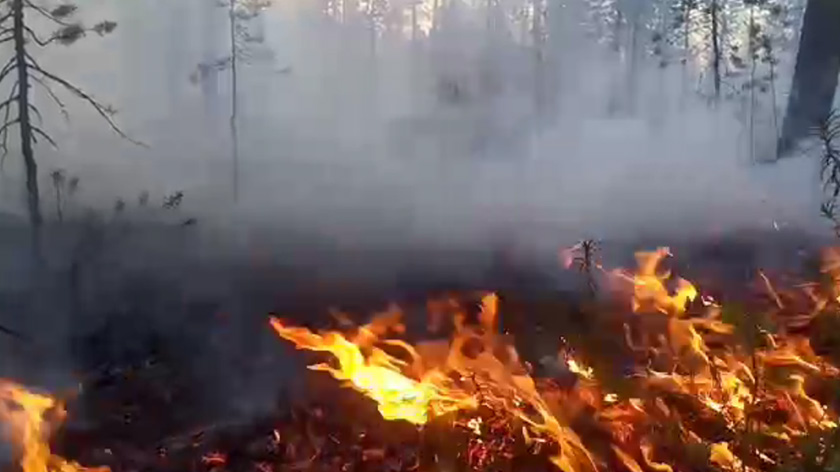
655	375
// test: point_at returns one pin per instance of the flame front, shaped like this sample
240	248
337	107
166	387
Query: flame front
451	387
704	375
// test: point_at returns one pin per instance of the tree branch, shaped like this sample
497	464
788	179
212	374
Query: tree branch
103	111
8	124
4	135
10	65
36	38
8	102
45	13
32	62
53	96
37	113
39	131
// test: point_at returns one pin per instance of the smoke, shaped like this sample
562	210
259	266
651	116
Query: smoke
387	142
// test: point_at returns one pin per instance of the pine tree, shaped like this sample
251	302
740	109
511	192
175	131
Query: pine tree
24	72
241	39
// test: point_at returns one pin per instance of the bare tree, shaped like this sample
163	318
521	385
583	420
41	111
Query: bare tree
22	71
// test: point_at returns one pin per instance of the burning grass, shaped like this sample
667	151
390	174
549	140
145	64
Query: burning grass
703	384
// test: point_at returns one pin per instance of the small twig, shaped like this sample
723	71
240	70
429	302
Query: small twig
37	113
4	135
771	290
53	96
36	38
43	134
7	68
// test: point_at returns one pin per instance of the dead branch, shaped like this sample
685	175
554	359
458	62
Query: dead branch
9	101
34	36
30	61
53	96
8	124
104	111
37	113
7	68
4	136
43	134
46	14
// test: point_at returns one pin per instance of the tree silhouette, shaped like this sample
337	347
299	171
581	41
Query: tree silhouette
24	72
241	42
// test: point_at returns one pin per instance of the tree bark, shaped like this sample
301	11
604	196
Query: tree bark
714	11
31	167
538	36
234	91
816	73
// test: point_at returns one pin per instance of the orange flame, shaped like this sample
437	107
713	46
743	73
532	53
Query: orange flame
377	375
477	368
432	393
26	416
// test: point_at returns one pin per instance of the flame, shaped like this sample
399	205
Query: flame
26	415
582	370
377	375
650	287
432	393
699	374
694	368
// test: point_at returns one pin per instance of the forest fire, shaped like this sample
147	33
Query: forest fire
709	387
734	385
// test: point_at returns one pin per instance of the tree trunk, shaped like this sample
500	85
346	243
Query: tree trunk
538	35
31	167
714	11
816	73
234	132
58	207
686	15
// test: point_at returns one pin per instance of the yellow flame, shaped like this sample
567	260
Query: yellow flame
477	368
650	290
25	415
431	393
376	375
582	370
